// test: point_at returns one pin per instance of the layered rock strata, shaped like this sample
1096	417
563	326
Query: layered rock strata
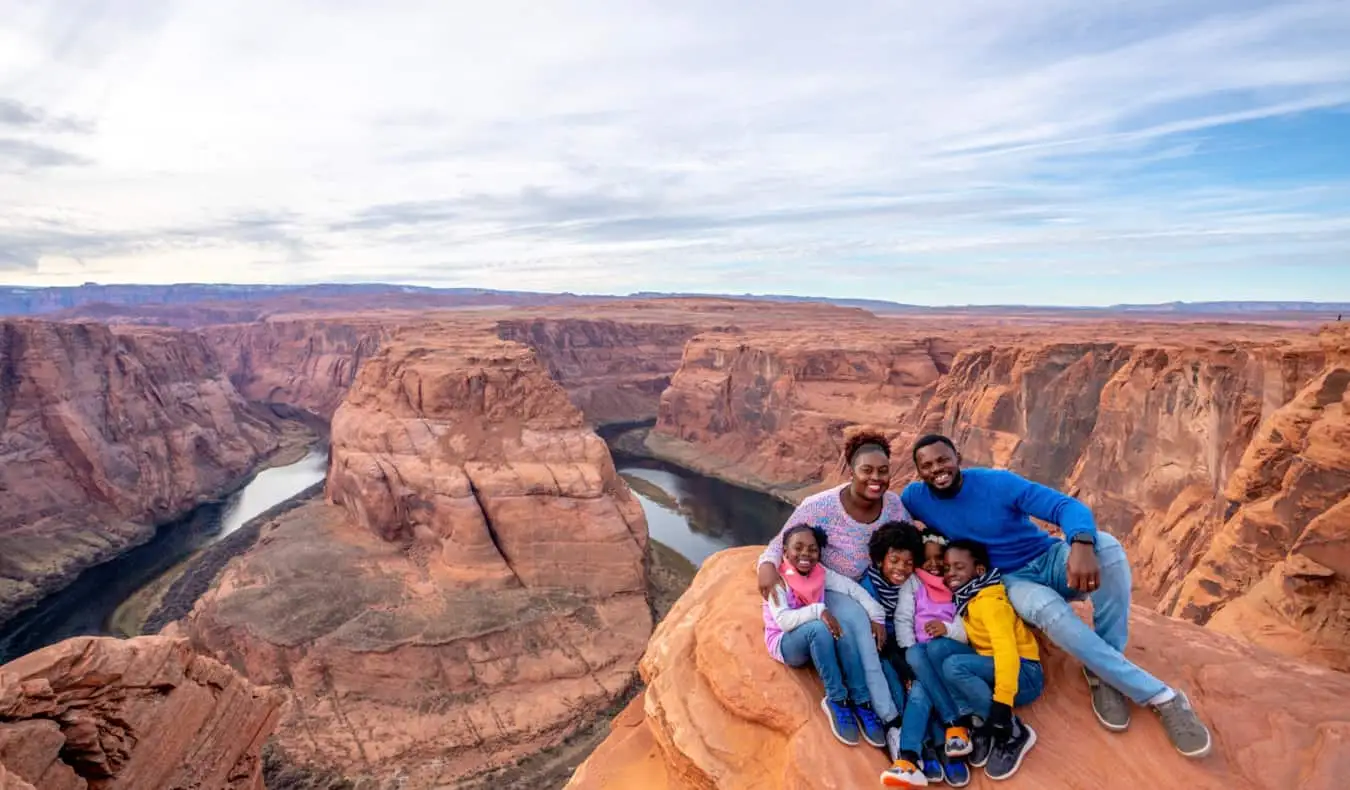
138	714
473	591
718	712
103	435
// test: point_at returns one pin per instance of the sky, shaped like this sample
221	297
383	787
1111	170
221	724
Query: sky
981	152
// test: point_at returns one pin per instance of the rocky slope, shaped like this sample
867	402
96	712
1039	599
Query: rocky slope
103	435
719	713
138	714
473	592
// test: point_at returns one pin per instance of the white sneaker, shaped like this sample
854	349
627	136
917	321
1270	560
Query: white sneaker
903	773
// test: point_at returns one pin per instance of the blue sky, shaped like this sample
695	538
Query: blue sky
1038	151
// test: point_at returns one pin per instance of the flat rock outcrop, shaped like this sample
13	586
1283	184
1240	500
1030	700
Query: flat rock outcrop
103	435
473	591
718	712
137	714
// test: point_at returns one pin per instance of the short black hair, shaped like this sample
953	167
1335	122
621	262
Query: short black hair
978	551
928	440
898	535
822	540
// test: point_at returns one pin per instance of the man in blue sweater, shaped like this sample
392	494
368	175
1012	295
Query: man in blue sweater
1043	573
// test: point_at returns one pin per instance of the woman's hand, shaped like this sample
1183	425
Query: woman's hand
831	623
879	634
769	578
935	628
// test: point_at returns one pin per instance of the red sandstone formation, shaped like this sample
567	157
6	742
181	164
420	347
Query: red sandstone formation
474	594
103	435
138	714
718	712
305	362
613	371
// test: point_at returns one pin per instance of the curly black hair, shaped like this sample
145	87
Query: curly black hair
898	535
978	551
822	540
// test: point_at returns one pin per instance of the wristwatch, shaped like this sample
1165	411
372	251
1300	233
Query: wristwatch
1083	537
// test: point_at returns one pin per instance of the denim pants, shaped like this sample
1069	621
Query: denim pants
1040	593
890	658
920	719
858	630
926	659
836	660
970	679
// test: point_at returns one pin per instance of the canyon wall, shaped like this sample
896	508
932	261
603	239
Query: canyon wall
718	712
472	592
103	435
305	362
136	714
614	371
768	408
1210	452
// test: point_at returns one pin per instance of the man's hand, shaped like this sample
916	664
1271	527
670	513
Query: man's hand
1083	572
831	624
879	634
935	628
769	578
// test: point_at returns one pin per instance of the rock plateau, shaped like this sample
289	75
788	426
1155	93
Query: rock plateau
473	591
718	712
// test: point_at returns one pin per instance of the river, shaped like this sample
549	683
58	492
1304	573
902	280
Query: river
86	607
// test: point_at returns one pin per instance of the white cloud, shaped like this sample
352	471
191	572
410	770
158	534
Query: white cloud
611	146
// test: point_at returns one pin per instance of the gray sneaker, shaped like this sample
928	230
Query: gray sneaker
1111	707
1184	728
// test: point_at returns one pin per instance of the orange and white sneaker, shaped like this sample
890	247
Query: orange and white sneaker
903	773
958	742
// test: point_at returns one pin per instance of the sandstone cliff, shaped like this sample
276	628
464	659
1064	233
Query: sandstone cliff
103	435
768	408
614	371
718	712
474	592
138	714
307	362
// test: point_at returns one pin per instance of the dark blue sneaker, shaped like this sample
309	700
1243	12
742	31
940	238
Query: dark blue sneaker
932	767
843	724
956	771
873	731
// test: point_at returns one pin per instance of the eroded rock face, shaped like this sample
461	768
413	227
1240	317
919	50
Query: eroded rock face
614	371
769	408
104	434
718	712
305	362
137	714
472	593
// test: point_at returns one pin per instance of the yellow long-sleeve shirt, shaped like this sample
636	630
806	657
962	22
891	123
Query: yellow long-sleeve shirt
995	630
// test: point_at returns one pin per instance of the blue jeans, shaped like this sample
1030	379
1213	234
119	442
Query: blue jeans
836	660
970	678
1040	593
926	659
920	720
858	630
